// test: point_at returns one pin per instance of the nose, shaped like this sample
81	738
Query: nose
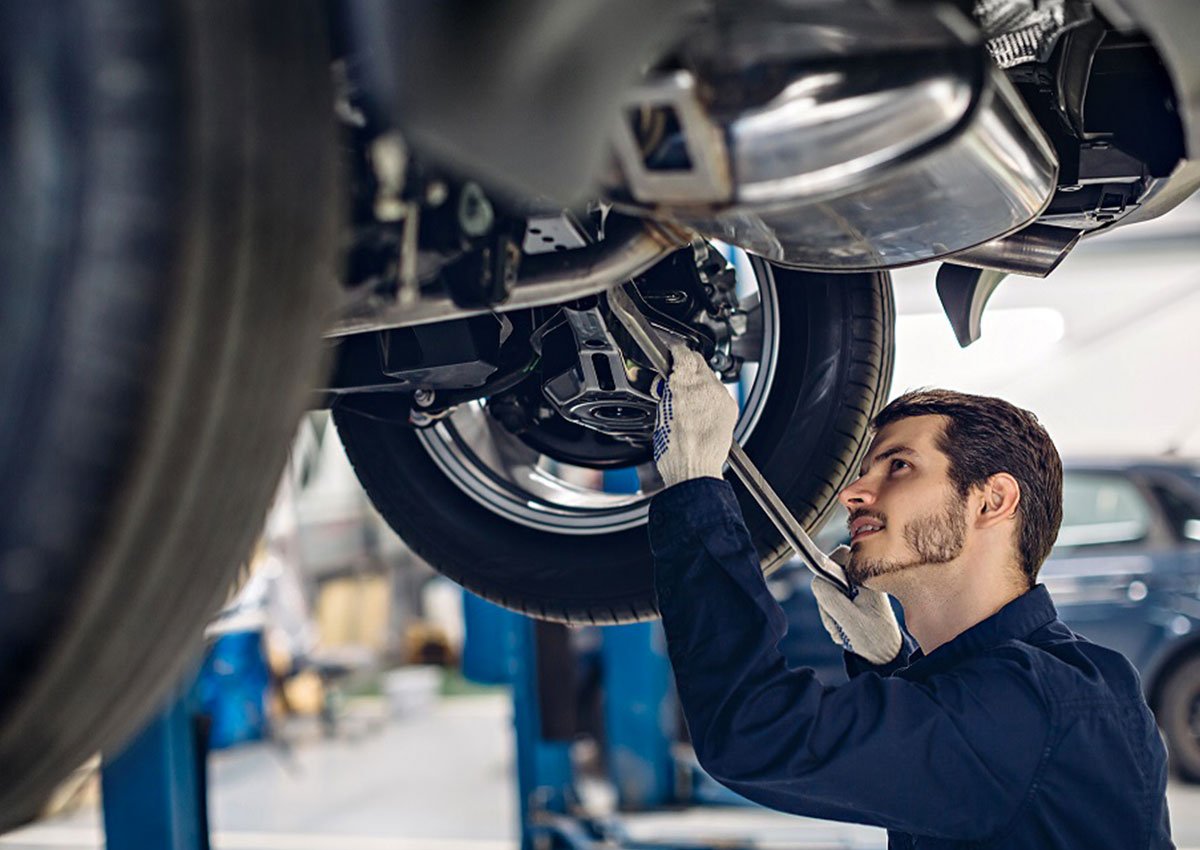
856	494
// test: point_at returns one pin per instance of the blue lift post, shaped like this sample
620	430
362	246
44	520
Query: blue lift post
501	648
640	715
154	792
641	719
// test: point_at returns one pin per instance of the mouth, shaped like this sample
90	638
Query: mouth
864	527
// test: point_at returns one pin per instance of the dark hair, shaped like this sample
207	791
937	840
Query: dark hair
986	435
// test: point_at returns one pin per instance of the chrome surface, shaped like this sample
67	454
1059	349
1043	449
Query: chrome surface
992	174
767	33
854	166
500	472
827	130
628	251
1034	251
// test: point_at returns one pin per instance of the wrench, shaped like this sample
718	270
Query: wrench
648	339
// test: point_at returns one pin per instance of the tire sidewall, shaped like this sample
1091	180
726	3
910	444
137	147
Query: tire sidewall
176	344
812	426
1179	695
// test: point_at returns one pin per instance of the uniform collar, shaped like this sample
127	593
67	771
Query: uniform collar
1015	621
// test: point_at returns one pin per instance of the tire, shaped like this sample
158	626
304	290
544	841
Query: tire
833	373
1179	717
167	257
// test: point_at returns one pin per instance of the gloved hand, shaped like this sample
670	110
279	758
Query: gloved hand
865	625
696	415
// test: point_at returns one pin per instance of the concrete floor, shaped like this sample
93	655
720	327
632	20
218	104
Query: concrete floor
441	779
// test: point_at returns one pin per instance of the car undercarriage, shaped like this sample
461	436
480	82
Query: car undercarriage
219	216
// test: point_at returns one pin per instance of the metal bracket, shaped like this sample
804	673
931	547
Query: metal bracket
964	292
603	395
707	179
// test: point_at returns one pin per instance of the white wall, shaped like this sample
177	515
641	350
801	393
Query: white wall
1106	350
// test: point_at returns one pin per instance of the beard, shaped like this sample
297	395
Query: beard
934	539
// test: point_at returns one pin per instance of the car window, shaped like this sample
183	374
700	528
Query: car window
1099	509
1182	510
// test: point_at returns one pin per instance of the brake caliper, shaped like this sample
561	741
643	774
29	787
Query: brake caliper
691	296
605	391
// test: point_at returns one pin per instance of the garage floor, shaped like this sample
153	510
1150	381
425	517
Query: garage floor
438	780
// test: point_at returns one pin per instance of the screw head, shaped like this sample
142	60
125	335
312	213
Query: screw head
720	361
475	213
436	193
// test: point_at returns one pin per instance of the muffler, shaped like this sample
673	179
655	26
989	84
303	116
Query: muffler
832	155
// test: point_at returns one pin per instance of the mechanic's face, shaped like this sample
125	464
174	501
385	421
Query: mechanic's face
904	510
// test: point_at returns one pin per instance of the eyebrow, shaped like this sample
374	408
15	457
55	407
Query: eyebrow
884	455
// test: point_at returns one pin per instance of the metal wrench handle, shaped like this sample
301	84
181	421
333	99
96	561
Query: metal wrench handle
784	520
656	350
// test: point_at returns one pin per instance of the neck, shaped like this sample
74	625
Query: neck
941	601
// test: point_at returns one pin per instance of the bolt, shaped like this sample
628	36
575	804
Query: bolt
436	193
475	213
720	361
423	397
389	158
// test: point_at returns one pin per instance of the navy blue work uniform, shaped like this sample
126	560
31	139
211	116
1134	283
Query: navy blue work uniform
1018	733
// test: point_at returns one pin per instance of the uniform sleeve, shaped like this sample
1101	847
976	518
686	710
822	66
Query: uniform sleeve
856	664
950	757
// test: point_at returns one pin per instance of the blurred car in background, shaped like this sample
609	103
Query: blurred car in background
1125	573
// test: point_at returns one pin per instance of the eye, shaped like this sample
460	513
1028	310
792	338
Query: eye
898	464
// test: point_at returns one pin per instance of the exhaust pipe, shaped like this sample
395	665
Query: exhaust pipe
1035	251
630	248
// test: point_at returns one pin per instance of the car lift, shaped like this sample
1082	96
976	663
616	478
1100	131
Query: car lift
641	714
640	725
155	791
641	720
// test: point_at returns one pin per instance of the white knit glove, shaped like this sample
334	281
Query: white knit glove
865	625
696	415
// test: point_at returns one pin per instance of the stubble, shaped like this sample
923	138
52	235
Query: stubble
934	539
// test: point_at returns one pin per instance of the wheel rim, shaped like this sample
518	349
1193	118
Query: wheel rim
499	471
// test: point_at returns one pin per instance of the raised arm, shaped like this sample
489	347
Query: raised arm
884	751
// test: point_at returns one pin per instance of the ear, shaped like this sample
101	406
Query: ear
1001	495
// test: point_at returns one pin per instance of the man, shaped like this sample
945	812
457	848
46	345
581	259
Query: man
1003	729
